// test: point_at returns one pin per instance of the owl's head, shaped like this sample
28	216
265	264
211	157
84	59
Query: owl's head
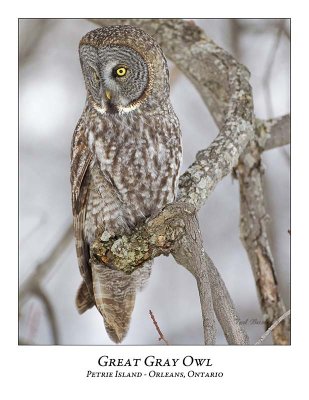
123	68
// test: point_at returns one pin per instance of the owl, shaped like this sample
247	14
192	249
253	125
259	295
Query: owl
125	158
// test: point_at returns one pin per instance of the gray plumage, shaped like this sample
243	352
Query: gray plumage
125	159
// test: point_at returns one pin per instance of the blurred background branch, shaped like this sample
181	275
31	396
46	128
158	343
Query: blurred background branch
32	286
33	36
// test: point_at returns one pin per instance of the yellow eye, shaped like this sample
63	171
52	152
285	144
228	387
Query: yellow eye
121	71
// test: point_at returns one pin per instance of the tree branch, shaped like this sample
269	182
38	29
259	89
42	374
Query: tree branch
253	233
274	132
224	308
188	251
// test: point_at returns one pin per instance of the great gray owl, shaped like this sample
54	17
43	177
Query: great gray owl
125	158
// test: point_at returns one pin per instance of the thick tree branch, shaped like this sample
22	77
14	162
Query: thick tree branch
253	232
214	163
224	308
188	251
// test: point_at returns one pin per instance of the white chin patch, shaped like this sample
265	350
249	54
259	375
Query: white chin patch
121	109
127	109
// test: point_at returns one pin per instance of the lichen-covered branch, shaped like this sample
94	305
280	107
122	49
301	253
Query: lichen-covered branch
156	237
253	232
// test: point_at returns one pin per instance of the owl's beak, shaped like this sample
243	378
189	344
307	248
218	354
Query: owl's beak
108	94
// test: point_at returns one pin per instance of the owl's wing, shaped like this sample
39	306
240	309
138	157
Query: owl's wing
81	158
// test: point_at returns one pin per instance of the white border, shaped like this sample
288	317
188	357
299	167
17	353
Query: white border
58	372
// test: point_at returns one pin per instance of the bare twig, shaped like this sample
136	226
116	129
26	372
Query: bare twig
273	326
161	336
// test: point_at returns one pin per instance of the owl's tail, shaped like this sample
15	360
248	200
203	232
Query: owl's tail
84	300
114	294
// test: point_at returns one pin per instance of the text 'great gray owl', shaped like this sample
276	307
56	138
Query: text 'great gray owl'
125	158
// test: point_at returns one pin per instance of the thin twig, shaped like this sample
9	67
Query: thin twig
273	326
161	336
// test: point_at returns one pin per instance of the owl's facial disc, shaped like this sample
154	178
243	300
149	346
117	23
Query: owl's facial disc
115	76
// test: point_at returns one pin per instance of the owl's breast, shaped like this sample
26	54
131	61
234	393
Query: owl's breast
142	162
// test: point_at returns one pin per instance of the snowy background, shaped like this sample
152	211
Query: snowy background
51	99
